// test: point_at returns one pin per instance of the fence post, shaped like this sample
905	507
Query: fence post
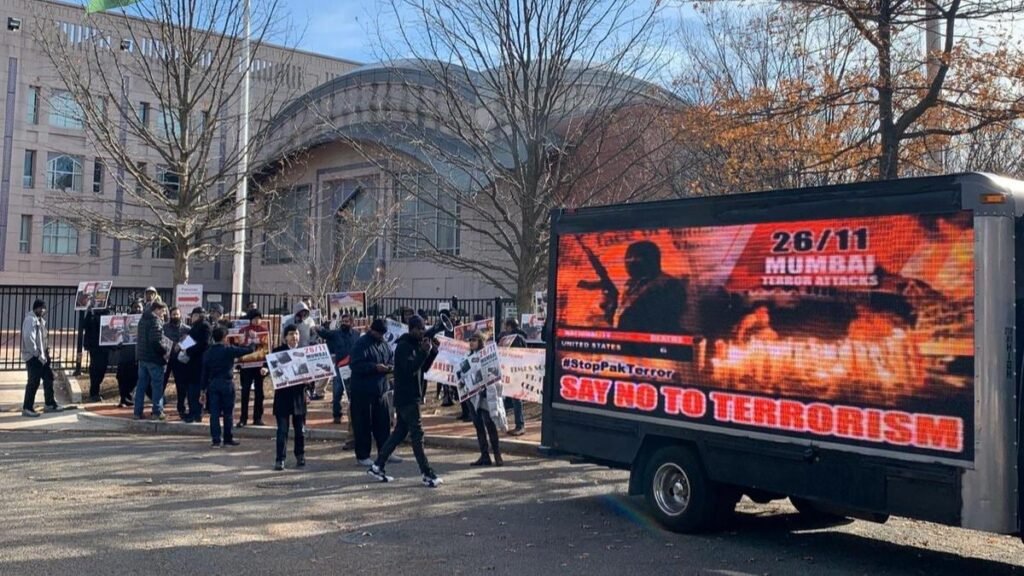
498	314
80	341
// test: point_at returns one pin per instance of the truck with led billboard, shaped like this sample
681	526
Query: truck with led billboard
853	348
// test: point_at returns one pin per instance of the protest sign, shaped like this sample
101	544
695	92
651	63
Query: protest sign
533	325
478	371
522	373
119	329
450	354
188	296
352	303
540	302
249	335
299	366
395	331
93	294
484	328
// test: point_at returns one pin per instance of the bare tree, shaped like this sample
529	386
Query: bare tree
913	101
157	90
504	110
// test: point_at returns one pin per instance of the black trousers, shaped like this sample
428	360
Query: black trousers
99	359
177	369
298	422
38	371
485	428
127	379
408	424
370	421
193	373
249	378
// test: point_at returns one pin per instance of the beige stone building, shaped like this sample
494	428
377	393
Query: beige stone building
44	148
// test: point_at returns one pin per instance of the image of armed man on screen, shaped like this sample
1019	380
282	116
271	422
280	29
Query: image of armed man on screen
652	302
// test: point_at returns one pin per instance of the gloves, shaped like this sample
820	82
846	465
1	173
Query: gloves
183	357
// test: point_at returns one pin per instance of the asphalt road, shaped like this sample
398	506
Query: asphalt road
100	504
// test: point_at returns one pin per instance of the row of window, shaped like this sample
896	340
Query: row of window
66	113
65	172
61	237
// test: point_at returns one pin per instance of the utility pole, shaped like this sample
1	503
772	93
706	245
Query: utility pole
933	47
238	270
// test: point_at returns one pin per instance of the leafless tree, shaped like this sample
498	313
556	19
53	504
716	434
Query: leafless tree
176	161
502	111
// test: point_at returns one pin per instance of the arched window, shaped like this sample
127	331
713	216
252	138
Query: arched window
64	172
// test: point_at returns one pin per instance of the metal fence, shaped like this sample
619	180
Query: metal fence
66	324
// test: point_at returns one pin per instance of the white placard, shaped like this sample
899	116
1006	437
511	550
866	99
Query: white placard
300	366
450	354
188	296
478	371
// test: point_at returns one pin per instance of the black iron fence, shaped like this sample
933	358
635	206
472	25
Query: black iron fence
66	324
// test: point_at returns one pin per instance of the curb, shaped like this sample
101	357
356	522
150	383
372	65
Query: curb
516	447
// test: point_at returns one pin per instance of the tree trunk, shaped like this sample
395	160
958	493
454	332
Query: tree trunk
888	156
181	267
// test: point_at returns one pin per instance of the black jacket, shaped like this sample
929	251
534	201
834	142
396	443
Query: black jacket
519	342
200	333
411	362
92	329
218	363
339	342
366	354
149	347
290	400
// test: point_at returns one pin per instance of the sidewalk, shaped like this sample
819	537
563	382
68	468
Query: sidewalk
440	426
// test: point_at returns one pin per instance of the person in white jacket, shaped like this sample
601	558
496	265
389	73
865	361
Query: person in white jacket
35	351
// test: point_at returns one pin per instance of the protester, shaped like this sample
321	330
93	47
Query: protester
128	367
217	317
290	404
413	356
301	320
35	351
199	333
149	296
99	356
516	338
339	343
175	331
217	378
371	362
251	374
482	420
151	351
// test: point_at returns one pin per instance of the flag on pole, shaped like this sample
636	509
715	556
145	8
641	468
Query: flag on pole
101	5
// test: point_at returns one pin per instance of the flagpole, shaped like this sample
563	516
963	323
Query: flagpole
238	270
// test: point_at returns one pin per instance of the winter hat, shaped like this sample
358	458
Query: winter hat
38	304
416	321
378	325
198	310
254	313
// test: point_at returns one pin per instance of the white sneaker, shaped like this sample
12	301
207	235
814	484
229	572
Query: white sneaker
364	462
395	459
378	473
431	480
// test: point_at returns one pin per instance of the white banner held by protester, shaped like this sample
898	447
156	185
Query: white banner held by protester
188	296
478	371
352	303
533	325
522	373
300	366
450	354
395	331
484	328
119	329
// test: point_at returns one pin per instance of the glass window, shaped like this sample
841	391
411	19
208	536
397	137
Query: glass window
290	238
141	166
426	217
28	174
357	228
169	180
162	250
65	111
25	235
168	126
59	237
64	172
94	242
97	176
34	94
144	113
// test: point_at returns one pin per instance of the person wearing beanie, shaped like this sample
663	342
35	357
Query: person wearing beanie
371	360
35	351
414	353
250	369
339	343
217	317
199	332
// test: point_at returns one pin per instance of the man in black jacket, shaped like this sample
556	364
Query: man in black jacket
413	356
339	343
513	337
175	330
99	356
371	362
199	332
218	380
152	356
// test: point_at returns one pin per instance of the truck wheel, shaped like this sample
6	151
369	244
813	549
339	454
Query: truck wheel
809	509
678	491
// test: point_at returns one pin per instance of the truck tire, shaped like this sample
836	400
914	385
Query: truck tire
678	491
809	509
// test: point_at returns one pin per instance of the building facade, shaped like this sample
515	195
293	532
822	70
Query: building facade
45	152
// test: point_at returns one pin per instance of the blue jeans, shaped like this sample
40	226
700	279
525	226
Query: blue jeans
517	409
221	398
336	391
151	375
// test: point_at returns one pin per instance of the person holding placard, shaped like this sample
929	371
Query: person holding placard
99	356
218	380
251	375
371	362
485	426
513	337
290	405
175	331
340	343
193	348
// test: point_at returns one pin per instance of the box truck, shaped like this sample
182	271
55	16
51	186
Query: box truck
853	348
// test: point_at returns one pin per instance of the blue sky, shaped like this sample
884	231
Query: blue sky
340	28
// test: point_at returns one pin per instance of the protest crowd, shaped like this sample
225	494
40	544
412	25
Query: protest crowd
380	367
